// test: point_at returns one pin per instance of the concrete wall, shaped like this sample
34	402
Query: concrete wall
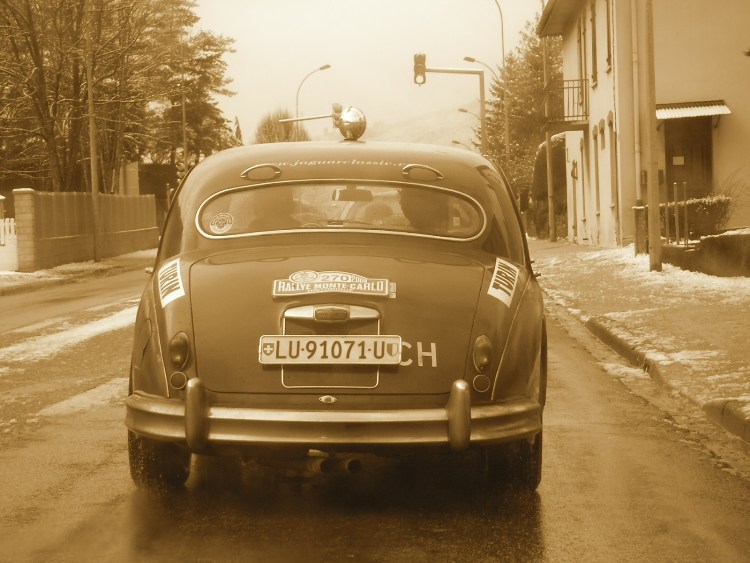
57	228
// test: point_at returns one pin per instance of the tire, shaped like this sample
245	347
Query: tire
518	463
156	464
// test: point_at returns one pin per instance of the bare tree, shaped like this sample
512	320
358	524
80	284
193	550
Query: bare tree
269	129
145	69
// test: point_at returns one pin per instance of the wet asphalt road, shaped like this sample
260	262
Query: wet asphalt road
623	480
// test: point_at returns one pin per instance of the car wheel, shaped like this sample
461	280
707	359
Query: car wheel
156	464
518	463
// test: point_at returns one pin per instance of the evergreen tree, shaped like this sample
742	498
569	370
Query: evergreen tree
520	88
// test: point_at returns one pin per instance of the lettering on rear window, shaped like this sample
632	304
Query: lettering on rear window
504	280
170	282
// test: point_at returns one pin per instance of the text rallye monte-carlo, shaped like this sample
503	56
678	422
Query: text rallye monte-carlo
335	298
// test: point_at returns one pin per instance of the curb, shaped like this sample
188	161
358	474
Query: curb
727	413
26	287
34	285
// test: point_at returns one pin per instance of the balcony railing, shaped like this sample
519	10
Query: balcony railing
568	102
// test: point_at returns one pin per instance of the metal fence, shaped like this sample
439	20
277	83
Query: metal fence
568	100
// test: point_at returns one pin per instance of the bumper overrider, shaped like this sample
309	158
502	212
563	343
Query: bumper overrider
201	426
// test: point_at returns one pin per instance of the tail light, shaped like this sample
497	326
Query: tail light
179	350
482	353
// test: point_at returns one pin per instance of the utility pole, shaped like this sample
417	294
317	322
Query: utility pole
182	99
93	137
504	91
551	219
645	21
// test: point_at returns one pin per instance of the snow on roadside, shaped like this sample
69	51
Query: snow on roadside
77	268
687	322
113	390
41	347
635	268
621	371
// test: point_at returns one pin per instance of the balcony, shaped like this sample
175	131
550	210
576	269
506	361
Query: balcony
568	106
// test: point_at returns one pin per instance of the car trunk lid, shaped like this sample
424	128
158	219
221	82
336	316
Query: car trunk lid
286	298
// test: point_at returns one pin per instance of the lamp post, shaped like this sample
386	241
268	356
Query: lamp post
505	108
504	91
296	108
485	65
464	110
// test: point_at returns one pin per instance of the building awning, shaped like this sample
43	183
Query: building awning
691	109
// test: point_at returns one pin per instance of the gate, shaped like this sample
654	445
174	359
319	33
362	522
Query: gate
8	245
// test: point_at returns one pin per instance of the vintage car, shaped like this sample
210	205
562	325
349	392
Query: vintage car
331	299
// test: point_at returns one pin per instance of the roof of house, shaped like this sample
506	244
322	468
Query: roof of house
556	16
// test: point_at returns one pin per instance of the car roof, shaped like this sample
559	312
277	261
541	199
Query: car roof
458	169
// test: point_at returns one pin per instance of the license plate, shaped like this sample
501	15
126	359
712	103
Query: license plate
358	349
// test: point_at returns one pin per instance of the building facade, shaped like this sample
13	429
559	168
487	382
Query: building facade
702	94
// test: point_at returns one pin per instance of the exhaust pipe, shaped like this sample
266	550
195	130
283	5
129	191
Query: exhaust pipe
316	463
331	463
312	465
350	465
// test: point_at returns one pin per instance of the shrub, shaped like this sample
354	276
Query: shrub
705	215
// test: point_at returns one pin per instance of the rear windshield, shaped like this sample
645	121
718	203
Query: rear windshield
423	211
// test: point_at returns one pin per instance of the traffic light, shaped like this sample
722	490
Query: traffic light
180	170
420	68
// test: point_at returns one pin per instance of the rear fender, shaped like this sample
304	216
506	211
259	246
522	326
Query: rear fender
520	371
497	317
147	371
165	308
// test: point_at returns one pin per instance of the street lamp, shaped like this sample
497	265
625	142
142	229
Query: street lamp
464	110
485	65
296	108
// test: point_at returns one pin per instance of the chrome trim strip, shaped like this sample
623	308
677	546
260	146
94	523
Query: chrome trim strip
204	234
276	171
307	312
409	167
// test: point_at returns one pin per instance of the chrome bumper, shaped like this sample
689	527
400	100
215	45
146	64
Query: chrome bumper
199	425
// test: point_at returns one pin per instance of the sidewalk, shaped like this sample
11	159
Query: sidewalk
690	331
17	282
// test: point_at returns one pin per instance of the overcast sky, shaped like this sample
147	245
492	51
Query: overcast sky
370	45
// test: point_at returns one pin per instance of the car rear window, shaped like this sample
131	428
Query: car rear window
408	209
